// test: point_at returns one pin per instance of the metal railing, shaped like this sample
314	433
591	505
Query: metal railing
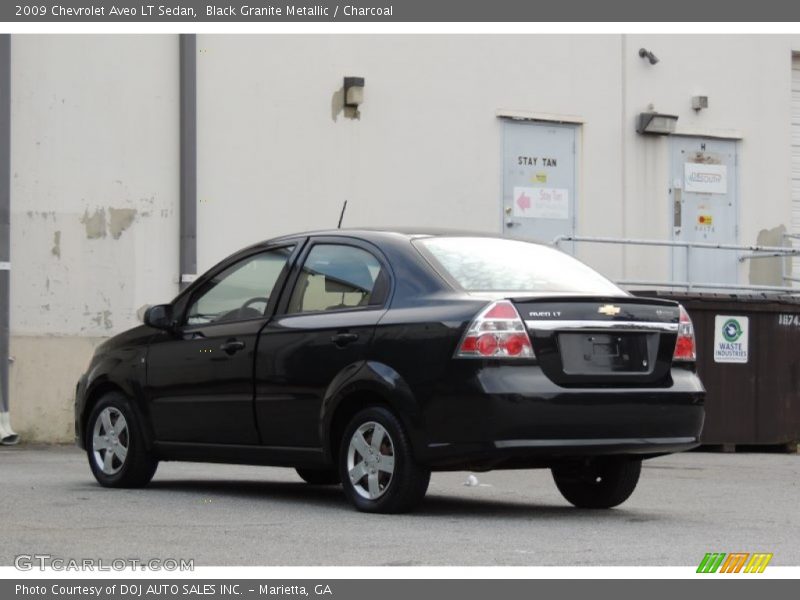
791	238
751	252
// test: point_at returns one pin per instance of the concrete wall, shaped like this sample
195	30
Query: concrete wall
747	80
95	158
94	193
275	146
278	154
42	385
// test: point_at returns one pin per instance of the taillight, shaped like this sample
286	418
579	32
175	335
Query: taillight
497	332
685	346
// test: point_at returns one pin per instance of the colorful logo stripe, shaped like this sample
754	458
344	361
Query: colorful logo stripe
758	562
734	562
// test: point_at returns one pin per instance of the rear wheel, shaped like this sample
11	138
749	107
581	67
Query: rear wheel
377	466
115	444
601	483
319	476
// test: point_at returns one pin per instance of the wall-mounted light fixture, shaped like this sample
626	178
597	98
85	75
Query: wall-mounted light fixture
645	53
353	91
653	123
699	102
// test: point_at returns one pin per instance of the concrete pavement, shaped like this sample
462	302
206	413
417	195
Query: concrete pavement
685	505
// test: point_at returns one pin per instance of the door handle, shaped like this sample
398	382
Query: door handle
232	346
342	339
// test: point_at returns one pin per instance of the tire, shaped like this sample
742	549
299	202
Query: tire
117	457
392	481
602	483
319	476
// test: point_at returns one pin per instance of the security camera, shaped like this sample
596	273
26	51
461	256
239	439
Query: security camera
645	53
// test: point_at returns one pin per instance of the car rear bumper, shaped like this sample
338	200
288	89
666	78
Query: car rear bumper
511	416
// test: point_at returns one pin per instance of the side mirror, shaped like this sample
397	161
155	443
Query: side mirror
159	316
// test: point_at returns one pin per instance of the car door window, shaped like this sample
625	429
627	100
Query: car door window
240	292
336	277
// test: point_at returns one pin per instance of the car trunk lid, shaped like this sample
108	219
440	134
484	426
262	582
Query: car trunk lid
602	340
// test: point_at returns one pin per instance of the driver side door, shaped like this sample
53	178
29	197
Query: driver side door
200	376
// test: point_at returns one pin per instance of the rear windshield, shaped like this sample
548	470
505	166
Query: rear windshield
496	265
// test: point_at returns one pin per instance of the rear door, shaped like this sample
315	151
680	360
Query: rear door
325	323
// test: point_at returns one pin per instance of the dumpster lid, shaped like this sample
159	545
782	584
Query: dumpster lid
762	300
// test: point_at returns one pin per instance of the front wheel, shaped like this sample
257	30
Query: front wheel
600	483
377	466
115	444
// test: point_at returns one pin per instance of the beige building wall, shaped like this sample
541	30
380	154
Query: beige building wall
747	80
94	194
277	153
95	158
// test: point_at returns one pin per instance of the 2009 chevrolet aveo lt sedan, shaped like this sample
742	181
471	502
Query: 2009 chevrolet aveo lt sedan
371	358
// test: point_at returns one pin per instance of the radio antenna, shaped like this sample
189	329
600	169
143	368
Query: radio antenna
341	216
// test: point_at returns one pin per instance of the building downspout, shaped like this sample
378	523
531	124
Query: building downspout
7	435
624	148
188	159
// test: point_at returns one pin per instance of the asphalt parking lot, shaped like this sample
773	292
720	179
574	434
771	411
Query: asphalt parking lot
685	505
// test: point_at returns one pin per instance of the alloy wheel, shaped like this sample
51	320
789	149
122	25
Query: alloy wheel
370	460
110	441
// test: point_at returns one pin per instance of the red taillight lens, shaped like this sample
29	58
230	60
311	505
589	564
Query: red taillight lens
501	310
685	346
487	344
517	343
497	332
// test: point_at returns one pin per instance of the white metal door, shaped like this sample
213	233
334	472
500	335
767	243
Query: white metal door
538	180
795	225
704	205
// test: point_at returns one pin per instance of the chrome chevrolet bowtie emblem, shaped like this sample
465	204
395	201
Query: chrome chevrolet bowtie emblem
609	309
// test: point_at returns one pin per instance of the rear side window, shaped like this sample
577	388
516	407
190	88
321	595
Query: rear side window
336	277
496	265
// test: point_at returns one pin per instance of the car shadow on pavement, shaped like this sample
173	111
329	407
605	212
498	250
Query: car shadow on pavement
284	491
434	505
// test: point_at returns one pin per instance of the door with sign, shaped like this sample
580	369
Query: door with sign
538	180
703	193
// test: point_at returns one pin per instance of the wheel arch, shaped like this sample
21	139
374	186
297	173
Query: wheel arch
95	392
372	384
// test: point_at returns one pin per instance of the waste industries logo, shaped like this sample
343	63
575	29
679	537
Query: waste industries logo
731	330
731	339
735	562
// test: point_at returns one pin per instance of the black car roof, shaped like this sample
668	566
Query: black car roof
377	234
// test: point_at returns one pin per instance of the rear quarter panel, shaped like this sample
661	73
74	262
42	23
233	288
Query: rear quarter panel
418	343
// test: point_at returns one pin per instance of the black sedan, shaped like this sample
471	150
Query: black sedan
371	358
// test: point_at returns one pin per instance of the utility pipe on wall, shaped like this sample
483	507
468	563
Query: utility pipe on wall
188	159
7	435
